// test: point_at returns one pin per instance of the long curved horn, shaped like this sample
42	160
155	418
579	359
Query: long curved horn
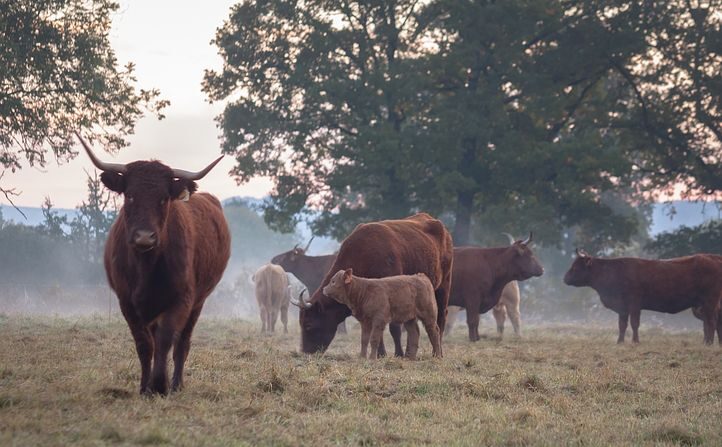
582	253
187	175
309	243
529	239
511	238
301	304
103	166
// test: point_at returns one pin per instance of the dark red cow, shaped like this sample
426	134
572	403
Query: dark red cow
165	253
416	244
628	285
480	275
310	270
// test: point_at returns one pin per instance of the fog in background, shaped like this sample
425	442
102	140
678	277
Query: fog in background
42	277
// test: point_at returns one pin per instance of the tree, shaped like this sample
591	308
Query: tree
704	238
386	108
526	109
677	95
53	224
95	215
58	74
326	98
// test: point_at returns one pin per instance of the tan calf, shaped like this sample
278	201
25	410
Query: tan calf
394	299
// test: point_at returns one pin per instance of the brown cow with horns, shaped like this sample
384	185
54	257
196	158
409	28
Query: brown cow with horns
165	253
628	285
416	244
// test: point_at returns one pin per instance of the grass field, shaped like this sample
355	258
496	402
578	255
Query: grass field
74	381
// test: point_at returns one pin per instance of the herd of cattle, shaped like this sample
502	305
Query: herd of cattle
169	246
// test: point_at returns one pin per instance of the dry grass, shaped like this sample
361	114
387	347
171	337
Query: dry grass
74	382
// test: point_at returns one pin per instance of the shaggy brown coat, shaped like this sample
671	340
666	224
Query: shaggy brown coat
163	258
417	244
628	285
480	275
377	302
272	295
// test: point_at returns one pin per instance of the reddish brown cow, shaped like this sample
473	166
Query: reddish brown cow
416	244
628	285
165	253
480	275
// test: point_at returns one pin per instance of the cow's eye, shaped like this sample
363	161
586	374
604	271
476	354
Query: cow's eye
162	202
130	199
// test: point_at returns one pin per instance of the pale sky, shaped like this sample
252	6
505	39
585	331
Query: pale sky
169	42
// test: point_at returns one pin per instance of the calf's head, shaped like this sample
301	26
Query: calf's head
580	272
337	287
148	188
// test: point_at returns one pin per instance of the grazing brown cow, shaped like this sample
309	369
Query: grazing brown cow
480	275
401	299
628	285
165	253
508	304
416	244
272	295
310	270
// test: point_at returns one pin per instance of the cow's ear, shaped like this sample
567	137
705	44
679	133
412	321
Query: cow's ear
347	276
113	181
587	261
182	188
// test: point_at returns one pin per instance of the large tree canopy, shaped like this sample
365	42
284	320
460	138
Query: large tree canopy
58	74
523	114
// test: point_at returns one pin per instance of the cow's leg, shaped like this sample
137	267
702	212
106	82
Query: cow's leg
365	335
499	312
264	318
442	300
377	333
412	339
341	328
451	313
472	320
634	321
710	318
515	318
622	327
395	330
273	317
181	349
143	344
166	334
432	330
284	319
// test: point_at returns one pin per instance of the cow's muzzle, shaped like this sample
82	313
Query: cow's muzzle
144	240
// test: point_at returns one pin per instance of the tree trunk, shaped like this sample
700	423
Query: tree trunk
462	227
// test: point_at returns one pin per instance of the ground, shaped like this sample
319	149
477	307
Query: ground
74	381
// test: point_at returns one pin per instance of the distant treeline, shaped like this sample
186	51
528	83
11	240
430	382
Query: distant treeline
70	251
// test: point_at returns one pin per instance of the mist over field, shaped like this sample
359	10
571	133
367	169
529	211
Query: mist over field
52	280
